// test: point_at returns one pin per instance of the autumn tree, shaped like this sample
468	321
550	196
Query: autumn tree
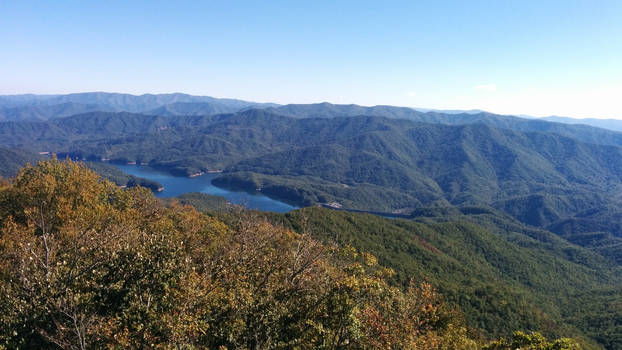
84	263
87	265
532	341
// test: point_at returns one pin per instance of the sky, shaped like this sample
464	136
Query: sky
527	57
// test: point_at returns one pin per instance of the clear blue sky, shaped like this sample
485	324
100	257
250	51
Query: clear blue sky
519	57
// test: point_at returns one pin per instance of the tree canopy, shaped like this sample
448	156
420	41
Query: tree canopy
85	264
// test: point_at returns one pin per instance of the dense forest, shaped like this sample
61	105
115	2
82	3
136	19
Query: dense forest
120	178
12	159
559	177
85	264
507	228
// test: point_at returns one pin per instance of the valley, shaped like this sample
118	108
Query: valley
514	220
174	186
330	175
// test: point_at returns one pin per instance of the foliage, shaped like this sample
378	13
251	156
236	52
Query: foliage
503	275
533	341
203	202
542	173
12	159
120	178
84	264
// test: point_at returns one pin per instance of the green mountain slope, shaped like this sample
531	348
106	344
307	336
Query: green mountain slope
28	112
85	264
502	274
585	133
12	159
369	163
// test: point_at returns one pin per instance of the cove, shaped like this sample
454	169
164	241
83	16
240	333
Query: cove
178	185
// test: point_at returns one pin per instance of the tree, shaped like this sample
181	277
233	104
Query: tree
532	341
87	265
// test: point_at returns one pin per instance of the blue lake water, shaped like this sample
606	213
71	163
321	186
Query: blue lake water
177	185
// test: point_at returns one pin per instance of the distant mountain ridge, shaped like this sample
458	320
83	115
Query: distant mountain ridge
611	124
201	108
43	107
43	112
584	133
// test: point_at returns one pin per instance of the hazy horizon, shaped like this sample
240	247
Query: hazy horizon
421	108
529	58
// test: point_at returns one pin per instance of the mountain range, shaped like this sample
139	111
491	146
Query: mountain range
540	193
43	107
611	124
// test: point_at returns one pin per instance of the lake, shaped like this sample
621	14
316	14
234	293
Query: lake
177	185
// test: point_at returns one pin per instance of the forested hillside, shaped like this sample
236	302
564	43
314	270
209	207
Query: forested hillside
85	264
586	132
515	221
12	160
365	162
502	274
